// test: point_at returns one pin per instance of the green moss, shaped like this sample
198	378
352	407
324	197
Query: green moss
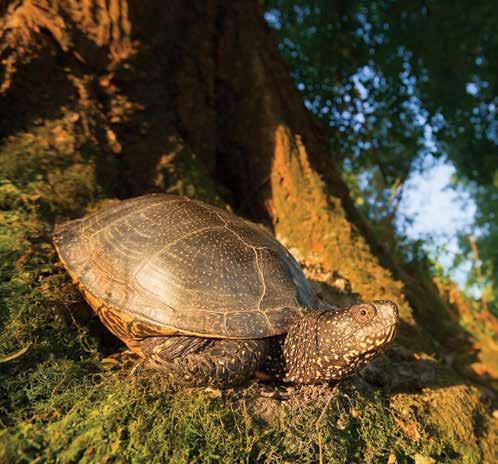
95	417
68	398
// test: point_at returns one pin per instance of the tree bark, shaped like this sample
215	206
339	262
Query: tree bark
195	94
194	98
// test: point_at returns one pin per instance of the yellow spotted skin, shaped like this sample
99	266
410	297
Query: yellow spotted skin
331	345
200	293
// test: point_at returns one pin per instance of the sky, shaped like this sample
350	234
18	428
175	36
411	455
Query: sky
437	210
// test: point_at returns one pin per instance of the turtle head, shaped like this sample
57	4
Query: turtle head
329	345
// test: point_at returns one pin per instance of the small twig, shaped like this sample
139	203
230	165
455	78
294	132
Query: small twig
324	410
317	424
320	451
14	355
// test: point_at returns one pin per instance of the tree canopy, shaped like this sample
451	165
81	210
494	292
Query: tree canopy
396	85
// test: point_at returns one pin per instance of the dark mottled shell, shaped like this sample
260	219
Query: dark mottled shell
175	263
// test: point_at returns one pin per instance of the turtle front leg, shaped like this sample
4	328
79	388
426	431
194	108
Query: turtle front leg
199	362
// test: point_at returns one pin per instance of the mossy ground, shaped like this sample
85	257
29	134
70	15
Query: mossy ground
68	393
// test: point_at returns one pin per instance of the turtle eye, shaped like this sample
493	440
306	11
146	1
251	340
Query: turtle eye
364	313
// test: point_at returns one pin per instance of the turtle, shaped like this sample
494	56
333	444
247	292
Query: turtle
212	299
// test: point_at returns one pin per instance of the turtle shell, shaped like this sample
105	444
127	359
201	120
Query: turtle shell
181	266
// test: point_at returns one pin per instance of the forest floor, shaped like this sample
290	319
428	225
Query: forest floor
69	392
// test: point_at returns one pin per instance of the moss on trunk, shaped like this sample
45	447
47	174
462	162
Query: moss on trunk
100	101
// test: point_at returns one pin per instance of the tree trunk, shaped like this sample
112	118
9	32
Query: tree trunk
194	98
203	79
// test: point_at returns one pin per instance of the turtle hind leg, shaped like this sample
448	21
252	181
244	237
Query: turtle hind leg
199	362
